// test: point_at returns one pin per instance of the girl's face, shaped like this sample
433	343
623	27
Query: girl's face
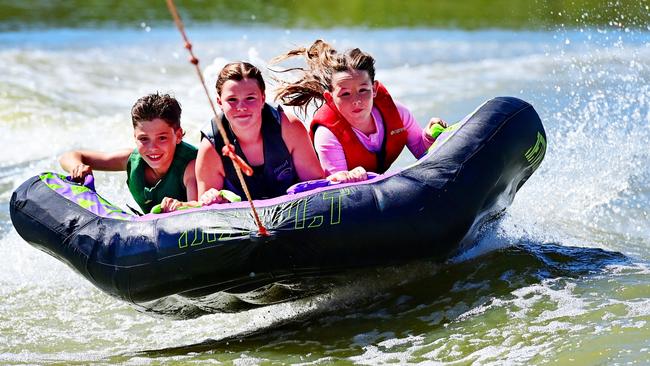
352	94
242	101
156	142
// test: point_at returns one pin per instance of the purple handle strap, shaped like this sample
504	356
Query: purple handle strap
89	181
318	183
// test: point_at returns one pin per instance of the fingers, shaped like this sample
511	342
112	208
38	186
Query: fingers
212	196
338	177
357	174
436	120
80	172
164	204
208	196
169	204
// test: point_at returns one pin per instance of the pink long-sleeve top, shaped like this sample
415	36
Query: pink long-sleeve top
330	151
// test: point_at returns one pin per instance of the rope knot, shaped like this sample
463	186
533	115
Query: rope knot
229	151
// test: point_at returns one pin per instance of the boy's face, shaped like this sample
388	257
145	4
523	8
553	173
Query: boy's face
156	142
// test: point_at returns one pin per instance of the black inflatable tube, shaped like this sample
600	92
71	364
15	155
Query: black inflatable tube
422	211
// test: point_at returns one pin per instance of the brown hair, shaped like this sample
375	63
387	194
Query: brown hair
153	106
323	62
239	71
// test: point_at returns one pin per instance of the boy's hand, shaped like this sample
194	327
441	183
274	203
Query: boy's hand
80	172
169	204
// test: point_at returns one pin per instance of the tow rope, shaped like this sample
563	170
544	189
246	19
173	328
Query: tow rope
228	150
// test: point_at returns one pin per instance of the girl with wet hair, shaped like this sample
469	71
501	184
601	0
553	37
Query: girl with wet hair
357	123
275	144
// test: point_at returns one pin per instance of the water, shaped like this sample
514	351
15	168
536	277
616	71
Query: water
562	278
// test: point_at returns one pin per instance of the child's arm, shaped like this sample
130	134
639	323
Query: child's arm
430	130
302	153
330	151
169	204
189	179
209	174
80	163
418	140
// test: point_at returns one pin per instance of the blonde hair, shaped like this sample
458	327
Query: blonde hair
323	61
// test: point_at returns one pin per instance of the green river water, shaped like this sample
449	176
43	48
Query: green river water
563	278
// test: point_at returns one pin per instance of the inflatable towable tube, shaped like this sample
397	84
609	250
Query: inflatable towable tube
422	211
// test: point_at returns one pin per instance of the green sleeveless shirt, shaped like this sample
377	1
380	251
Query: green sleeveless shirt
171	185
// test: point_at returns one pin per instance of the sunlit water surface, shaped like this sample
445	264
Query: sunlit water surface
562	278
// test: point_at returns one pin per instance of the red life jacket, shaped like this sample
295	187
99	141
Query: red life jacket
356	154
